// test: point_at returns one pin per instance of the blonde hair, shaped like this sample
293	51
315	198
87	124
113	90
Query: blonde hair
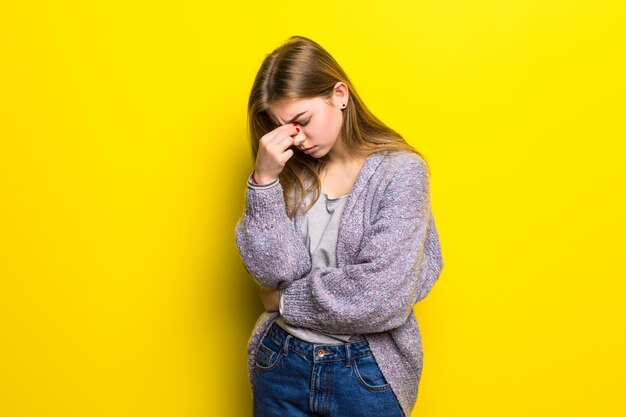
302	69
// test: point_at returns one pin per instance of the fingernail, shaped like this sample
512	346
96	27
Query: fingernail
297	129
295	123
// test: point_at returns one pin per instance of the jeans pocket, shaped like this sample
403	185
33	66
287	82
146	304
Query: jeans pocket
369	374
268	355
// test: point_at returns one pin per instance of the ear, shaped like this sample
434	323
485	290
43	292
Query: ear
341	93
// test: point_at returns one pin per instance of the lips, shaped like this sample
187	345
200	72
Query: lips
308	150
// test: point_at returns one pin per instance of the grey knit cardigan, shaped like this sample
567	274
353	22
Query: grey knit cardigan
388	259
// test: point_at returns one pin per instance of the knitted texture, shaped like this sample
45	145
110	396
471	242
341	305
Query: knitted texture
388	259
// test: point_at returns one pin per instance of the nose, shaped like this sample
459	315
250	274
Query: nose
298	139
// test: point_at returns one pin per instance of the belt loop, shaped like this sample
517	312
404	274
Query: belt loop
348	362
286	345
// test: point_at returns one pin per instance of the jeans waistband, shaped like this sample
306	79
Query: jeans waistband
318	352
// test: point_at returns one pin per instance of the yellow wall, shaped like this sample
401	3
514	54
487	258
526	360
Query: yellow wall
123	159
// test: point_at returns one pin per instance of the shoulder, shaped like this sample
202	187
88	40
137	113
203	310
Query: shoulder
406	177
403	186
405	163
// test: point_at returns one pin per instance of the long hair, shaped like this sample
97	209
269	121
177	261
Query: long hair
301	69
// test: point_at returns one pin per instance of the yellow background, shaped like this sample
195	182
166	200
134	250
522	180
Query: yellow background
123	160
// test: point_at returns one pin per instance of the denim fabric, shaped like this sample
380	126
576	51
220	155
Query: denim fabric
296	378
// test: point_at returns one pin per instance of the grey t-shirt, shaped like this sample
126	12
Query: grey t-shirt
319	229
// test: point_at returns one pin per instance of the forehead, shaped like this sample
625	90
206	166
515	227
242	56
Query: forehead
288	109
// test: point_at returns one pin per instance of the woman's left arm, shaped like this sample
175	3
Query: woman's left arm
378	291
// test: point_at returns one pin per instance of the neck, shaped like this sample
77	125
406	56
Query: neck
338	155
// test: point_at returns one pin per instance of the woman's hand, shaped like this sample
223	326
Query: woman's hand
274	152
270	299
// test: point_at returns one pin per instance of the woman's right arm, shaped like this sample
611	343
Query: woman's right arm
270	247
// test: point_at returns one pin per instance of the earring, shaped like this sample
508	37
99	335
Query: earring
343	106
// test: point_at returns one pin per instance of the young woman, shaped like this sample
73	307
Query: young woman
339	234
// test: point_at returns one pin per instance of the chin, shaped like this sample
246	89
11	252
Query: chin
318	154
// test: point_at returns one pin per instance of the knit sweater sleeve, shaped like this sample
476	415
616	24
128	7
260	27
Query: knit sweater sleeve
377	292
269	245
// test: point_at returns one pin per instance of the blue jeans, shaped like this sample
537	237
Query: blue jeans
295	378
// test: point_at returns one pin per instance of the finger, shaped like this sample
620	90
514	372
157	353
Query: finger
284	142
274	135
288	154
286	129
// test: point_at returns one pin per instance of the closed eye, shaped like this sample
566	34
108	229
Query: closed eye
305	123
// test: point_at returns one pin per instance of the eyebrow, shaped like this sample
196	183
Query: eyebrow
296	116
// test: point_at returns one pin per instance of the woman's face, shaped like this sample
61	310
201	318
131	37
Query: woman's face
319	121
